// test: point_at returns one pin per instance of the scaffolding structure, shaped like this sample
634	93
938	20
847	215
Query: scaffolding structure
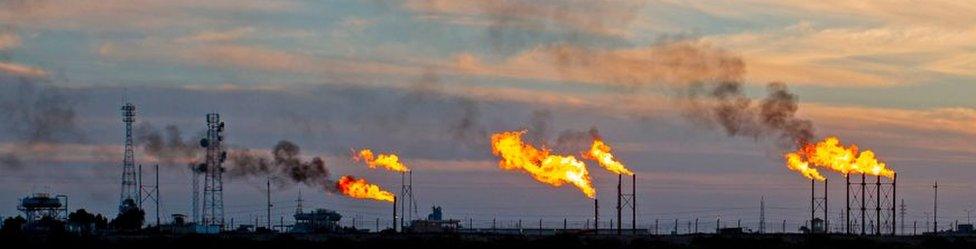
818	203
150	193
626	201
880	197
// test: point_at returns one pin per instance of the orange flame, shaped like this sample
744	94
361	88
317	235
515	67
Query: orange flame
795	162
360	189
387	161
833	155
600	152
554	170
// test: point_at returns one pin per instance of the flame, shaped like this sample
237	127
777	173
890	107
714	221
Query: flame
360	189
387	161
833	155
796	163
554	170
600	152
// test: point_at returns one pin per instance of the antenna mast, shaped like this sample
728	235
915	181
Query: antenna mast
130	189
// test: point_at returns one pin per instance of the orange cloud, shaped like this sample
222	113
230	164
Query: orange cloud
22	70
217	36
243	57
9	40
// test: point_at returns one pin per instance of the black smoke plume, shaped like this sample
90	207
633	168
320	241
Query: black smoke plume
284	166
575	141
35	114
168	145
725	105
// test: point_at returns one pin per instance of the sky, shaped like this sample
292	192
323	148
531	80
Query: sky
431	80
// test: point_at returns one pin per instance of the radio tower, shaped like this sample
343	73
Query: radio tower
129	195
213	184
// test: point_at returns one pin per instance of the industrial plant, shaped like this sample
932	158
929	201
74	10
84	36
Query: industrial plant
870	207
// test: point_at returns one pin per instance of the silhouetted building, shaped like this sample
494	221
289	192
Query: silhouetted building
434	223
318	221
44	212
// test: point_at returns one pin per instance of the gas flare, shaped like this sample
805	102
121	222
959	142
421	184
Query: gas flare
360	189
831	154
795	162
600	152
387	161
554	170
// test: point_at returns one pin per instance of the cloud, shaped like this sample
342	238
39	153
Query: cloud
668	63
244	57
947	121
946	13
22	70
607	18
129	15
847	43
217	36
805	54
9	40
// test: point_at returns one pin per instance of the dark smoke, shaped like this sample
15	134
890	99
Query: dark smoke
283	167
726	106
466	127
463	120
575	141
540	125
777	112
168	145
35	113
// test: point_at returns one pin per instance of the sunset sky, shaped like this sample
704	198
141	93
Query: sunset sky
431	80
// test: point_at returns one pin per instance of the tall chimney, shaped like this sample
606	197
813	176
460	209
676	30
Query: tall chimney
596	216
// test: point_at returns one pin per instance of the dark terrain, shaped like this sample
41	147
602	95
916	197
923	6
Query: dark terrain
471	241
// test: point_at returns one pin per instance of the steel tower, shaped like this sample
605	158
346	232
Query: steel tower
213	184
130	187
408	207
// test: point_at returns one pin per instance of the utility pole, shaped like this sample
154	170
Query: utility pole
157	195
762	214
903	211
968	215
633	204
935	209
269	202
619	207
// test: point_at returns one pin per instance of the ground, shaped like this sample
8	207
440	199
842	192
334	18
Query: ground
406	241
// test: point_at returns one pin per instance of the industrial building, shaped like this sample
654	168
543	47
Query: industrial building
317	221
434	223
